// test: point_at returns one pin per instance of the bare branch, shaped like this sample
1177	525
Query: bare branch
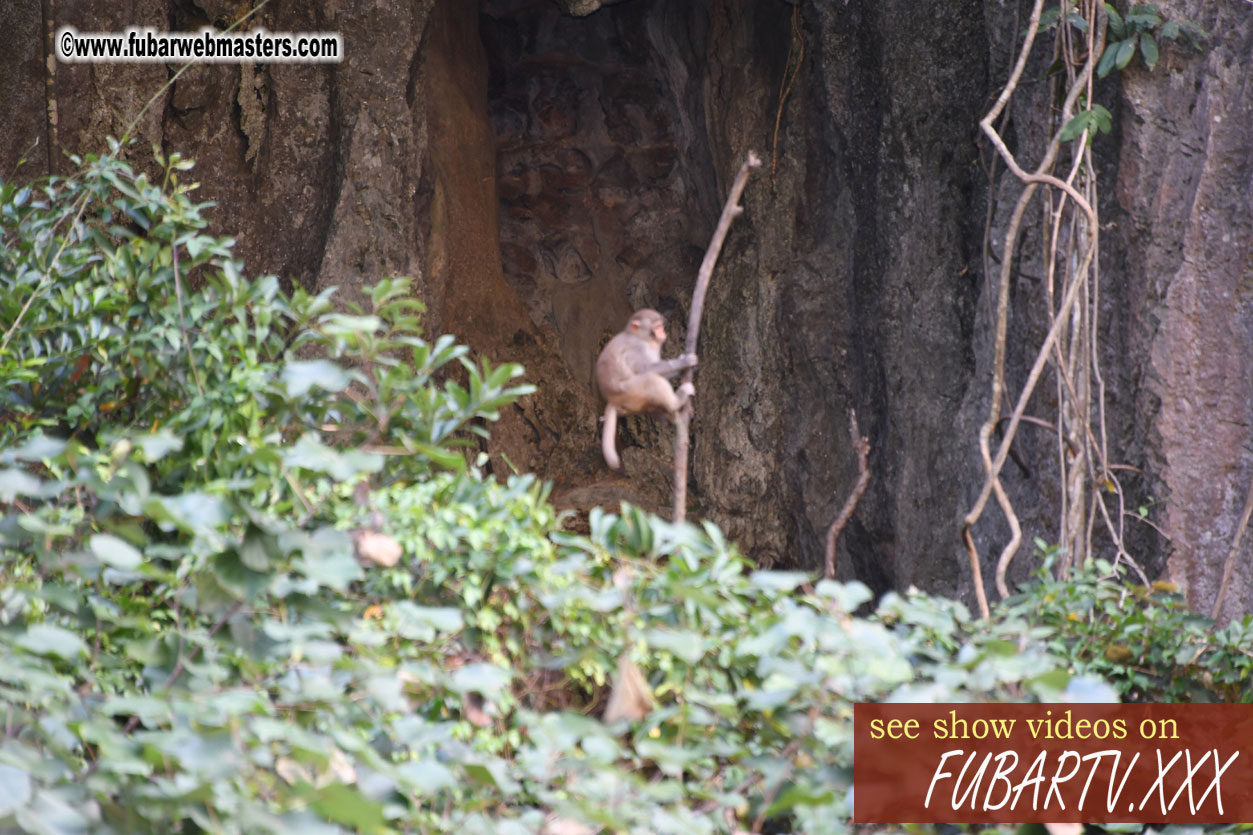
730	211
1235	549
861	445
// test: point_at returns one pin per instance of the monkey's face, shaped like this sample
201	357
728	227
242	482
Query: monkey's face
654	331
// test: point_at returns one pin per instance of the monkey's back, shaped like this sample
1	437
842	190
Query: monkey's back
616	364
622	379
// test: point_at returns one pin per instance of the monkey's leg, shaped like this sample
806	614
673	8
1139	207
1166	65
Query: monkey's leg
649	393
608	436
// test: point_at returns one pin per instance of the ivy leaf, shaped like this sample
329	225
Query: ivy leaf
684	644
14	483
302	375
115	552
38	447
14	789
784	581
157	445
46	639
797	795
328	559
309	453
346	805
486	679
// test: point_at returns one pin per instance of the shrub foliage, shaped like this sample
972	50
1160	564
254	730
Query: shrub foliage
189	640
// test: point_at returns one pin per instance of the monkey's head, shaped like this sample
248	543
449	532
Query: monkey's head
648	324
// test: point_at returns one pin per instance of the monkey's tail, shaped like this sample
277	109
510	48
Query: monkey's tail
609	434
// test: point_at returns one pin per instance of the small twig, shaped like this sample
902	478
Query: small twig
861	445
730	211
785	87
182	324
47	276
181	664
787	755
1235	549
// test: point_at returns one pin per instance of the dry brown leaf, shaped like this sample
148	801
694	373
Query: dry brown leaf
631	698
472	707
1064	828
554	825
378	548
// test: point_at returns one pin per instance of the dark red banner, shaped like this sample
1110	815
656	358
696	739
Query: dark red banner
1053	763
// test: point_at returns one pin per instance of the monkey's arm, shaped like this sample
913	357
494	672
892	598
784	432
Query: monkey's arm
608	437
669	368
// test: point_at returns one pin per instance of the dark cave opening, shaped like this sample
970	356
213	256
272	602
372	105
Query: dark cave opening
603	167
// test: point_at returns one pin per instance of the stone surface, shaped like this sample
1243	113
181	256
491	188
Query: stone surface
1185	185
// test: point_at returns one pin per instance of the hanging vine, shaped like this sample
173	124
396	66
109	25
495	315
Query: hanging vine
1089	39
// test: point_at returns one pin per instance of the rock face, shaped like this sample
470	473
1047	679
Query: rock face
1185	188
541	175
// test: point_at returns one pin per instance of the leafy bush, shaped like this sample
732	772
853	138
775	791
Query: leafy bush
1142	640
191	640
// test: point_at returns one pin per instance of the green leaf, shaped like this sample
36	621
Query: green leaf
14	483
1103	119
302	375
1077	126
1052	680
443	458
1195	33
1116	26
426	776
115	552
309	453
1148	48
797	795
14	789
157	445
39	447
346	805
1126	51
1106	64
1143	16
329	559
778	580
46	639
685	644
487	679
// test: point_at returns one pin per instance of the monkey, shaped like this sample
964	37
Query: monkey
631	376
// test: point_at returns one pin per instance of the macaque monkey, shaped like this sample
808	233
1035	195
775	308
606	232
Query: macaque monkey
632	376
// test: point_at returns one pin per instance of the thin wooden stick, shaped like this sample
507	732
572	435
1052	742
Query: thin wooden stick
1230	562
682	421
861	445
